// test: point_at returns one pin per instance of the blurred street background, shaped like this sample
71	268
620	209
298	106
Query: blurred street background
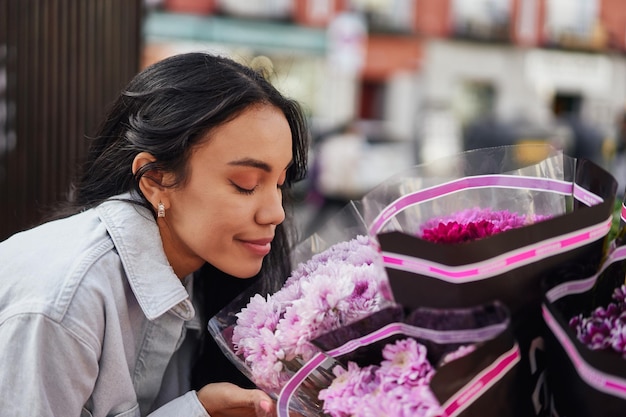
386	84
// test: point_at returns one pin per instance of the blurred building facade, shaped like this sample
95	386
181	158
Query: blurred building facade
392	83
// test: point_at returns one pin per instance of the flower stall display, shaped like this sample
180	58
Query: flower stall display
586	337
483	226
371	308
452	362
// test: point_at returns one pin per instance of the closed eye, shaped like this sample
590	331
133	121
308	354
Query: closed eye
246	191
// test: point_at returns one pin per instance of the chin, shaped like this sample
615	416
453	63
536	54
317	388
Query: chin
245	273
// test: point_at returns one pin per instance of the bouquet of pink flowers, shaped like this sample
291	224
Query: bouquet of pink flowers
342	284
338	279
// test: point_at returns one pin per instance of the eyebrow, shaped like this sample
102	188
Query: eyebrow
254	163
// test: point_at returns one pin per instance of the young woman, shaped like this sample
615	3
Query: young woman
183	187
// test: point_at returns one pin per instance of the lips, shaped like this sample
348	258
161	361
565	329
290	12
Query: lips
263	241
260	247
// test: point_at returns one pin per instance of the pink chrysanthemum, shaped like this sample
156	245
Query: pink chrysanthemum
473	224
454	232
348	389
405	363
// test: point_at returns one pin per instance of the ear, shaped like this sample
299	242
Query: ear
151	183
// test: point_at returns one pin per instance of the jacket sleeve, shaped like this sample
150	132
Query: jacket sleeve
46	369
187	405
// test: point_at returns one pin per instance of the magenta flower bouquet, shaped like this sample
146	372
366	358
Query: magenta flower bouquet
449	229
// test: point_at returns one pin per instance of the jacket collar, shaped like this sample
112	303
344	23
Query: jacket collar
136	237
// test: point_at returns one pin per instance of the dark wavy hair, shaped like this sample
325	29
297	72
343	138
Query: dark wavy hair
166	110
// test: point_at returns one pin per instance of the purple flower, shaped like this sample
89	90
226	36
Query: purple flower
458	353
619	295
605	327
618	339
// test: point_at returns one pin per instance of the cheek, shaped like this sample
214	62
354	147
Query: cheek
193	223
207	235
206	217
214	221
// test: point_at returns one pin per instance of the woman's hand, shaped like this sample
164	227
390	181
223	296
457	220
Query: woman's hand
223	399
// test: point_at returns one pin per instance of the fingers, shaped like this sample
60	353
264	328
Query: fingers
265	407
228	400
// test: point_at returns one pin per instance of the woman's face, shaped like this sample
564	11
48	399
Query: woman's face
227	211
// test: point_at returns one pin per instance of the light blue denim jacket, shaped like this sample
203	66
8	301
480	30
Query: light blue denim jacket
90	314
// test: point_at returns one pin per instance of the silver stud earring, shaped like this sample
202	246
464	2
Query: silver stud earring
160	210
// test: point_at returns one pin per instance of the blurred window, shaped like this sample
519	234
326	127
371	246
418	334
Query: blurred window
487	20
387	15
474	99
571	23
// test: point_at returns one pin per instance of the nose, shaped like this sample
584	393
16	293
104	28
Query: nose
271	210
